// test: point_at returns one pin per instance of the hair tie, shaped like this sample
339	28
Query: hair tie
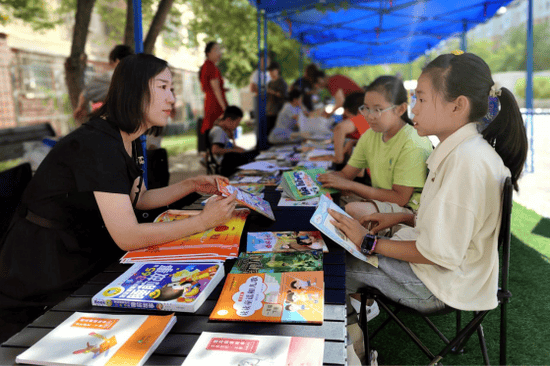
457	52
496	90
494	107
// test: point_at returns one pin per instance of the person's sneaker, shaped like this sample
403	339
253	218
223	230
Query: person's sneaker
373	357
371	306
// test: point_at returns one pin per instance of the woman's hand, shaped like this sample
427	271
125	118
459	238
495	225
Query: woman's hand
349	226
330	180
218	210
207	184
380	221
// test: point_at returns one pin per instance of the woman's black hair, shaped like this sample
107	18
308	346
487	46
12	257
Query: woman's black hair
294	94
468	75
393	90
129	93
353	102
207	50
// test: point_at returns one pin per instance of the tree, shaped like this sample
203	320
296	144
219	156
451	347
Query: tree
34	12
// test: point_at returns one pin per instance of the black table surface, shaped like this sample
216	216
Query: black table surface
179	342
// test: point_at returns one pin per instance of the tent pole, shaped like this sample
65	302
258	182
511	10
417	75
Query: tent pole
138	39
529	83
301	59
262	93
463	40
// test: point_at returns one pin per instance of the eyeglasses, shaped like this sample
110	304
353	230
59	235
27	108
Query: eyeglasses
374	112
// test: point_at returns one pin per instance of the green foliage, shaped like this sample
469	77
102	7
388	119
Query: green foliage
179	144
233	23
541	87
37	13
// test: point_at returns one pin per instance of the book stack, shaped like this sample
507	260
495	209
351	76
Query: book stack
217	244
285	241
302	184
100	339
162	286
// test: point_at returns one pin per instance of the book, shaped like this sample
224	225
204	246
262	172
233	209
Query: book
254	202
286	201
263	166
303	184
216	244
100	339
279	262
360	123
321	220
162	286
253	177
284	241
289	297
252	349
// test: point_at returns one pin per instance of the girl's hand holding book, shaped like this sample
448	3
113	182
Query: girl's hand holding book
330	180
349	226
380	221
218	211
207	184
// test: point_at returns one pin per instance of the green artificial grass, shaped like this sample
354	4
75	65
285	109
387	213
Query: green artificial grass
528	316
542	228
179	144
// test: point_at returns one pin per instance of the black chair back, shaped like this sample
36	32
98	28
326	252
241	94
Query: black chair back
12	185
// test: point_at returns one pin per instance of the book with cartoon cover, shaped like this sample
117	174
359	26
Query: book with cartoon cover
100	339
252	201
162	286
219	243
279	262
284	241
289	297
303	184
321	220
253	349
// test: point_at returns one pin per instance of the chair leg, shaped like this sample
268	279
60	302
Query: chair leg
364	326
503	329
483	345
457	351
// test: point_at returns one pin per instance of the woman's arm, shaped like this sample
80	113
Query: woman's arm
215	83
120	220
217	150
340	131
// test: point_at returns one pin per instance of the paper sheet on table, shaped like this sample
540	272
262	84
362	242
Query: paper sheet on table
263	166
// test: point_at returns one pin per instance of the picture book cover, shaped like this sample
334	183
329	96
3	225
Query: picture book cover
162	286
279	262
285	241
218	243
360	123
321	220
258	350
100	339
286	201
254	177
289	297
303	184
254	202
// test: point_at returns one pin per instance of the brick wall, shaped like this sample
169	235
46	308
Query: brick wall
7	108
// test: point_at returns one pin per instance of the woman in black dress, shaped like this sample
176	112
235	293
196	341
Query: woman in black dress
77	213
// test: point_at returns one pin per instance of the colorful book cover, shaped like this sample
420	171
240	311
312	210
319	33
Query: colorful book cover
249	200
162	286
321	220
303	184
252	349
218	243
284	241
286	201
279	262
244	177
100	339
289	297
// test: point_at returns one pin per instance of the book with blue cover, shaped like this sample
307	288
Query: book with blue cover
303	184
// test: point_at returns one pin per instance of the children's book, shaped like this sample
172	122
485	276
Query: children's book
254	177
100	339
249	200
321	220
263	166
303	184
314	164
284	241
162	286
286	201
279	262
219	243
289	297
253	349
360	123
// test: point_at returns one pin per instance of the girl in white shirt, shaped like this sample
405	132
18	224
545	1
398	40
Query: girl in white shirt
448	252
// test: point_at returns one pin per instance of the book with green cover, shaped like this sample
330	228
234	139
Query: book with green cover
303	184
279	262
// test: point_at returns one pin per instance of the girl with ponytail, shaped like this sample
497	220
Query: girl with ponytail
448	252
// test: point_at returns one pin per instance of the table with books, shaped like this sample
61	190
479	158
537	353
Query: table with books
282	301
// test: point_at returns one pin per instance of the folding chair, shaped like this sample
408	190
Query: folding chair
463	334
212	165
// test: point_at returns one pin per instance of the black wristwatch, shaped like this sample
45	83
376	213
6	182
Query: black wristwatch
368	244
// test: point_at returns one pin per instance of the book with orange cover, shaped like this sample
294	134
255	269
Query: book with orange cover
289	297
219	243
100	339
360	123
254	202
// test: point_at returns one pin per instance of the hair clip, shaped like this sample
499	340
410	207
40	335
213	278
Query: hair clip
496	90
457	52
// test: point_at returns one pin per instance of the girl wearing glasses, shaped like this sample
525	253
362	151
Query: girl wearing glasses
391	149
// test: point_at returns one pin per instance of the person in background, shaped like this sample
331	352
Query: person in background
339	86
222	142
391	149
286	128
276	95
77	213
96	90
253	85
211	80
307	86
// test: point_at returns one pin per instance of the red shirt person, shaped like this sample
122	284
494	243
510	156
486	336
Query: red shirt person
212	85
339	86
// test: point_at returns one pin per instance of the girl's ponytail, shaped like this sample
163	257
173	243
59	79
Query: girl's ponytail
506	133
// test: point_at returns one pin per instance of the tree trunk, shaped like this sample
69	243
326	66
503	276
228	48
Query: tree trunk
75	64
156	25
129	30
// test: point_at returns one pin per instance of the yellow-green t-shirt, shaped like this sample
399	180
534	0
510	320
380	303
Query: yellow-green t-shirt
401	160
